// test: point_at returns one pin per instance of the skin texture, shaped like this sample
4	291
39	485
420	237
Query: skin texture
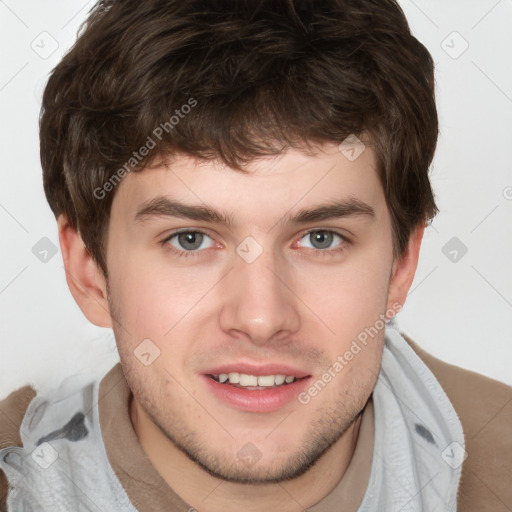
295	304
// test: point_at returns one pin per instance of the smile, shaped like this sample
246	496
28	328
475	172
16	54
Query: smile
252	381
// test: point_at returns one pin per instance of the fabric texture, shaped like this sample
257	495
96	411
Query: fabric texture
484	407
62	465
419	441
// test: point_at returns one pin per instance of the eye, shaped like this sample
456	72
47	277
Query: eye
322	239
187	241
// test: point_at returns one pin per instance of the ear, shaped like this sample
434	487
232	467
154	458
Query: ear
85	279
404	269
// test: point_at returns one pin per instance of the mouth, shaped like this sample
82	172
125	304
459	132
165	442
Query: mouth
253	382
265	392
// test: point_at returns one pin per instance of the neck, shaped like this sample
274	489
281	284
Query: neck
210	494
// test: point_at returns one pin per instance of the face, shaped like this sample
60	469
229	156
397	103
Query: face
259	295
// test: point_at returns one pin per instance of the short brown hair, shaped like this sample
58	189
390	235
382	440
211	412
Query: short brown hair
265	75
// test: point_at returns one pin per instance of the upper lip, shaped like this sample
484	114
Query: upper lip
258	370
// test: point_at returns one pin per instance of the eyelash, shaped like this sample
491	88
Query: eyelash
324	253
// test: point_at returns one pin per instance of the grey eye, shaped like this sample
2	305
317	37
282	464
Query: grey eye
188	240
321	239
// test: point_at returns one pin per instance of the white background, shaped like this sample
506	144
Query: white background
458	311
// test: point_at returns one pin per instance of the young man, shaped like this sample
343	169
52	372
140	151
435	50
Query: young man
241	191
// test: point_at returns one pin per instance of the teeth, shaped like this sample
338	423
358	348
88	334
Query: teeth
266	380
280	379
234	378
252	381
247	380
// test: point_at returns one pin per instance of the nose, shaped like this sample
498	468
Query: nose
259	300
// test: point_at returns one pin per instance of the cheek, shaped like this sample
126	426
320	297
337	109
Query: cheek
141	299
157	301
353	309
351	296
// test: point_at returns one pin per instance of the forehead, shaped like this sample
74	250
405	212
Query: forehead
271	187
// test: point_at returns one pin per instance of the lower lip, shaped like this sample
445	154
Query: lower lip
256	400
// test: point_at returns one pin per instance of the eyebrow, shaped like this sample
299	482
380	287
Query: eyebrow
162	206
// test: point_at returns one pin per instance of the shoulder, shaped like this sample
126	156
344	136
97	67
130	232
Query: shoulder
484	407
12	411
